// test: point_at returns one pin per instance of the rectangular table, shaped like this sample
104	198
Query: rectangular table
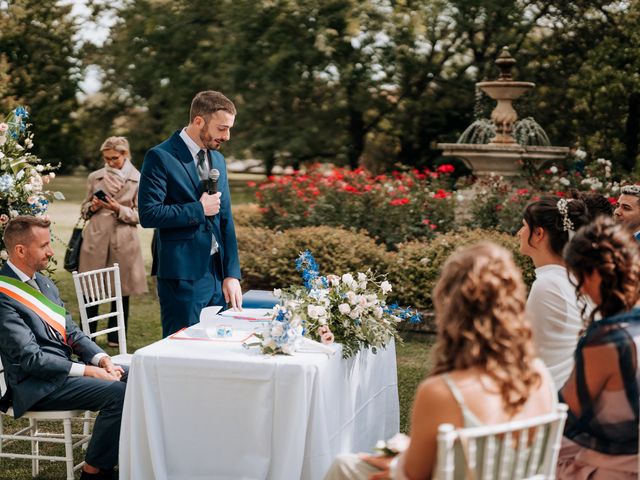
212	410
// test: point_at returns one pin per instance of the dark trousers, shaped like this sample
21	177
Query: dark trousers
87	393
182	300
113	321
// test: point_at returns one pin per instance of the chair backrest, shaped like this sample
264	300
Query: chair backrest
3	380
525	449
98	287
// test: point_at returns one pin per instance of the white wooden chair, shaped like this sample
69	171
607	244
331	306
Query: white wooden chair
34	436
526	449
98	287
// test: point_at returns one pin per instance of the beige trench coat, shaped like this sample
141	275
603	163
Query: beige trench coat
109	238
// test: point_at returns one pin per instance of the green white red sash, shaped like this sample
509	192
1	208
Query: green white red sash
50	312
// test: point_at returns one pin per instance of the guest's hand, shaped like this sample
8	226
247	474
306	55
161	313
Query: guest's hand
381	462
210	203
111	204
96	204
107	364
232	292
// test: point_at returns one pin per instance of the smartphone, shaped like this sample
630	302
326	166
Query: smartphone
100	195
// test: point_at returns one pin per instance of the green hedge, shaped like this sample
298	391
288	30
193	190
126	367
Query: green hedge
268	258
247	215
418	265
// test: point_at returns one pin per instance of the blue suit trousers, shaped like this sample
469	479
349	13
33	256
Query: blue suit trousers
182	300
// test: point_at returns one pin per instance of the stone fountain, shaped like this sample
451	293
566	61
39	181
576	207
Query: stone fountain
503	154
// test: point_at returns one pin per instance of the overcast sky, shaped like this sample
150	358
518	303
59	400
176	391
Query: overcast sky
89	32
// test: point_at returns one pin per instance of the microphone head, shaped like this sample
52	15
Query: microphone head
214	174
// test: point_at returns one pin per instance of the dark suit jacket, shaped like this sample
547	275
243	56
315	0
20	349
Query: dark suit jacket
169	200
36	362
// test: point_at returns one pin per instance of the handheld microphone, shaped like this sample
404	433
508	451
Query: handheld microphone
212	181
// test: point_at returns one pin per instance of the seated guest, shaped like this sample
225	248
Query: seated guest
601	434
552	307
597	204
485	370
627	210
36	344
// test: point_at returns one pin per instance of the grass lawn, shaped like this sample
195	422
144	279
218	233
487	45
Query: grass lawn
413	356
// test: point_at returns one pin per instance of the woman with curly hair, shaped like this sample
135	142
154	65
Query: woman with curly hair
485	369
552	307
601	434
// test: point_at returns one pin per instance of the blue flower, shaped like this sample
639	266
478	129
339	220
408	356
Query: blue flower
21	112
306	264
6	182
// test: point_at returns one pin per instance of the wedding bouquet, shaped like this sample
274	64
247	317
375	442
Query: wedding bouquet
22	174
352	307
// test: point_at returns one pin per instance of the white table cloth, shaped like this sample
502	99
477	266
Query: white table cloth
213	410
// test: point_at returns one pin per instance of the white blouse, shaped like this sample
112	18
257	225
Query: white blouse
554	313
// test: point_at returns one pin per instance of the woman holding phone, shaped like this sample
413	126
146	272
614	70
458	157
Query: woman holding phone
111	236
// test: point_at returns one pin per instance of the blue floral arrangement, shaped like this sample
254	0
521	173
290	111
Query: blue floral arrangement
23	175
352	308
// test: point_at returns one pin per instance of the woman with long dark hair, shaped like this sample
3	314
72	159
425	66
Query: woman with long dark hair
603	391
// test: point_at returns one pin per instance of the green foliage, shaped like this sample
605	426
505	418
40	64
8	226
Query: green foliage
417	265
247	215
38	58
267	257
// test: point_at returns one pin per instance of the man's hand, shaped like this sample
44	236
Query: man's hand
232	292
210	203
99	372
107	364
381	462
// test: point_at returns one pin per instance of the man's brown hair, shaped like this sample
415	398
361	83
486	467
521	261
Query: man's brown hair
19	229
206	103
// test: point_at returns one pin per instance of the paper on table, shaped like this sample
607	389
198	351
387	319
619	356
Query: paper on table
237	336
208	313
251	314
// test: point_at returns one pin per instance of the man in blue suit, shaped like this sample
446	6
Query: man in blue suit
37	341
197	252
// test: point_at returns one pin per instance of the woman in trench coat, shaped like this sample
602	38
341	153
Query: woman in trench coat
111	234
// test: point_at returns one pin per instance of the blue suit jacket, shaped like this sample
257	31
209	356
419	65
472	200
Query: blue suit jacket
169	200
36	362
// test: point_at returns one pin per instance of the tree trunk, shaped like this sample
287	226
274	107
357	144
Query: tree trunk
269	162
356	136
632	136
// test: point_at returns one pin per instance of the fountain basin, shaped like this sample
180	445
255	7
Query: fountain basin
502	159
505	90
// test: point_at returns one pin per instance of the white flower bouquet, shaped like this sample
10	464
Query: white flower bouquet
23	176
352	308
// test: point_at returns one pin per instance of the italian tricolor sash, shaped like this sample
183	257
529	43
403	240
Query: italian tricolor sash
53	314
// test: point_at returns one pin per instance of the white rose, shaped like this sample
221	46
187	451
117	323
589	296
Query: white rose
334	280
347	278
386	287
553	169
362	277
13	213
378	312
277	330
3	127
601	161
4	255
565	181
352	297
277	292
344	308
52	175
362	285
580	154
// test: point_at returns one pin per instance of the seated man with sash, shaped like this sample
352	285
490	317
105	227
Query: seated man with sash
37	341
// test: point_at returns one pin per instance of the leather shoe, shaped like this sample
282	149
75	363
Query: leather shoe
101	475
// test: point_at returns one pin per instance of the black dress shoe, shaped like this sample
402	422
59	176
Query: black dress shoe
101	475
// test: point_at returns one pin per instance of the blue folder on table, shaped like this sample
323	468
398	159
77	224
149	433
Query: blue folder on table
259	299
